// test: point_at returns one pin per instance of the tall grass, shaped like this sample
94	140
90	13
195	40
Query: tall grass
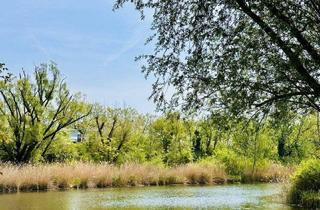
91	175
269	173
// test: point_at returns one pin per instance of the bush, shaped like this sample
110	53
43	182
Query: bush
234	163
305	189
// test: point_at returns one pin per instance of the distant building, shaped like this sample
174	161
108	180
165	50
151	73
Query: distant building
75	135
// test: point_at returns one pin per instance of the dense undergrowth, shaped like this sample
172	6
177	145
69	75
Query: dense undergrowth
305	188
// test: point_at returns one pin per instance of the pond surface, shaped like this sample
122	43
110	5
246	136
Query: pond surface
257	196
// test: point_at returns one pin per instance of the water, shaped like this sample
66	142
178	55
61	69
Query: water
258	196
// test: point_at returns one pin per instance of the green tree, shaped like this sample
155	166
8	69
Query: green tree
35	111
214	129
172	139
239	55
111	133
283	122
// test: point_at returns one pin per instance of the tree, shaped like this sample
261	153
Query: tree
253	140
283	122
169	135
35	111
213	129
111	133
239	55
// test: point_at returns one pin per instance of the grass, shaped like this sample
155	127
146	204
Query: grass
92	175
270	173
89	175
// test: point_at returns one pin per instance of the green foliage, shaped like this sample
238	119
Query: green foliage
120	135
114	135
246	147
34	112
306	184
235	164
62	149
172	137
233	55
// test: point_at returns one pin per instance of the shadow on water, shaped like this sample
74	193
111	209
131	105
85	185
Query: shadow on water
253	196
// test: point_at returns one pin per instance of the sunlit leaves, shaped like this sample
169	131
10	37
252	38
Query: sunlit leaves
35	110
234	55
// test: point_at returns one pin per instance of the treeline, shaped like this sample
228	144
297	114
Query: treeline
39	114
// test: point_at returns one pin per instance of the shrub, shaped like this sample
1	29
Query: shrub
305	188
235	164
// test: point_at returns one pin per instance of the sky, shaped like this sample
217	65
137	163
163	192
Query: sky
93	46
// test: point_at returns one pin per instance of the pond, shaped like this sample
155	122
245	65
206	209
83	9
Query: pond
242	196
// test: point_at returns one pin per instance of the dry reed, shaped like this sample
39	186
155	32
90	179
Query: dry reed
90	175
270	173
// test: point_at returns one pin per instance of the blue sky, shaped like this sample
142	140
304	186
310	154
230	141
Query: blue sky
93	46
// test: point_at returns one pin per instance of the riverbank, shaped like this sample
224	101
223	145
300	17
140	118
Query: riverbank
91	175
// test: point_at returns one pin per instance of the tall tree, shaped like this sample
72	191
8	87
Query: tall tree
239	54
35	112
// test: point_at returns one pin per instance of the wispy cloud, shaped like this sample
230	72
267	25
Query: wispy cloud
37	45
93	46
126	46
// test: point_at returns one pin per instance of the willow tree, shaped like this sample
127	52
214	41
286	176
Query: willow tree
235	54
34	112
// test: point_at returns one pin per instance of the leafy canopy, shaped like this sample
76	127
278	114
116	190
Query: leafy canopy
34	112
234	54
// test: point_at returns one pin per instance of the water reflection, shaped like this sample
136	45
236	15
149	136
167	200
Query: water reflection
261	196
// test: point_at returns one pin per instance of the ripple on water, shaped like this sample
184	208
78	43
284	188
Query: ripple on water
254	196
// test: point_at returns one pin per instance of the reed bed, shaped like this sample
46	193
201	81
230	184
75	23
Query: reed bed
270	173
29	177
90	175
